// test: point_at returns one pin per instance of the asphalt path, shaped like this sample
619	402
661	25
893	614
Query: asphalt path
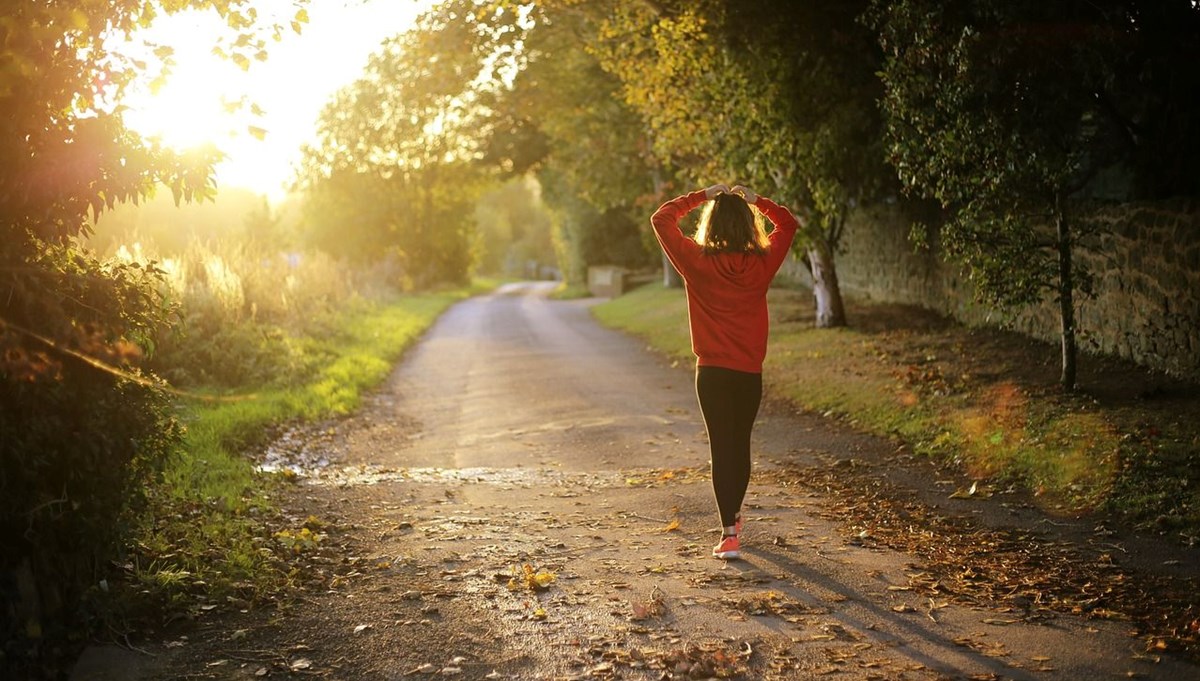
519	432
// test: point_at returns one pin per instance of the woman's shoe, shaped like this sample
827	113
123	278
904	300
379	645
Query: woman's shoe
728	549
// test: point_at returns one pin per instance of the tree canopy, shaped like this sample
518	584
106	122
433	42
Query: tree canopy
564	121
67	156
396	169
777	95
1004	112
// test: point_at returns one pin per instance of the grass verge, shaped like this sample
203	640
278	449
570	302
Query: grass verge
565	291
212	537
985	400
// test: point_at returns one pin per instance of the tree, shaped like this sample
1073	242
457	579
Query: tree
779	95
395	171
81	431
66	154
1005	113
564	121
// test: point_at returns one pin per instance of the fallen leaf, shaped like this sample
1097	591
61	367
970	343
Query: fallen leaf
300	664
527	577
361	628
966	494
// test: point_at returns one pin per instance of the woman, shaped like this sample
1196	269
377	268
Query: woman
726	270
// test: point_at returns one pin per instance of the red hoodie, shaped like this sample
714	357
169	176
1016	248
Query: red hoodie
726	292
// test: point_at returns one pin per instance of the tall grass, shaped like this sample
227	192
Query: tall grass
261	338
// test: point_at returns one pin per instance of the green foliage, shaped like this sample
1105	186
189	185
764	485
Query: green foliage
514	231
997	109
779	95
990	118
1004	112
79	443
393	174
584	235
76	455
564	121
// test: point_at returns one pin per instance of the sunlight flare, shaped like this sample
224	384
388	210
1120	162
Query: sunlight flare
258	114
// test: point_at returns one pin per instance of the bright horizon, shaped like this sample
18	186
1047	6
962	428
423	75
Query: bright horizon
291	87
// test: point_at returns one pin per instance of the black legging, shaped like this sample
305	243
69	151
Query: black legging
729	400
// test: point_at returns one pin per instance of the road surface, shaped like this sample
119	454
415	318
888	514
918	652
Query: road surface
527	498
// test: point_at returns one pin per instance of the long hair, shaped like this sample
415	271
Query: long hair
729	225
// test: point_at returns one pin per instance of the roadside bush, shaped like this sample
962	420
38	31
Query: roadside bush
78	443
242	309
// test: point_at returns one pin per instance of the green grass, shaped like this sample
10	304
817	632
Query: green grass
655	313
917	386
565	291
212	522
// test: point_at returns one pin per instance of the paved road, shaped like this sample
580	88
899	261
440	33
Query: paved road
516	380
520	433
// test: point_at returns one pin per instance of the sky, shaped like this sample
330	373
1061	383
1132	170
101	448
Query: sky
299	77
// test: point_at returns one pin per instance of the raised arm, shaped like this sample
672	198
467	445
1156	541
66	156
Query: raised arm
783	234
666	224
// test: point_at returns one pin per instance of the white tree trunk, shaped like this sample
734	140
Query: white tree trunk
826	291
1066	296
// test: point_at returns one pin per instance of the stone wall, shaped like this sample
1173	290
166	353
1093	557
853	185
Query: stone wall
1146	295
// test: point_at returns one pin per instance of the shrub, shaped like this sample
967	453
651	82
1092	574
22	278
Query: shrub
242	307
78	443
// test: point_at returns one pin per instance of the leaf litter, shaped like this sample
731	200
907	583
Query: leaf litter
1018	572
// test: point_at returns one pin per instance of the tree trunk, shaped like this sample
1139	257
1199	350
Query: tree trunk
1066	297
671	278
828	294
818	257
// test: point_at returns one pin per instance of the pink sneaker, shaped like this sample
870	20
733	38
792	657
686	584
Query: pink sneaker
728	549
737	524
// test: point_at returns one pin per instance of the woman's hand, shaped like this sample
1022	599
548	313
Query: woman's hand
710	193
746	193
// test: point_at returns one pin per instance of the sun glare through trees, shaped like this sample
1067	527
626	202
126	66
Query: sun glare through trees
257	112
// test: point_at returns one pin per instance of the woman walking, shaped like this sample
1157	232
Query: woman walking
726	269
